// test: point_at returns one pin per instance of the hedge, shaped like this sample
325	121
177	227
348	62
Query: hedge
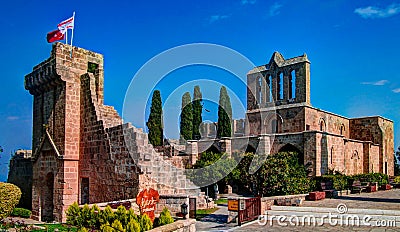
21	212
9	198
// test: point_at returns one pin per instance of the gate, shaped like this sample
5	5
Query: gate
192	208
249	209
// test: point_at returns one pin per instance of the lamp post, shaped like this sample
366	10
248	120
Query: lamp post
184	209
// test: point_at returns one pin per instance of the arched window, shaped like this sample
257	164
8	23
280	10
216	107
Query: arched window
274	126
342	129
280	84
322	125
269	89
259	90
293	85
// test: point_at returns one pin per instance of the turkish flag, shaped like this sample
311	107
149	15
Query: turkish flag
55	36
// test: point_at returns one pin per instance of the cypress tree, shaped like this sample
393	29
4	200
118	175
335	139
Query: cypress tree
224	128
186	124
154	123
197	110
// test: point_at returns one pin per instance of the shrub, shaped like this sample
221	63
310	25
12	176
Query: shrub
145	223
74	215
106	228
9	198
87	216
165	217
121	215
339	181
107	215
21	212
133	226
82	229
131	215
397	180
117	225
380	178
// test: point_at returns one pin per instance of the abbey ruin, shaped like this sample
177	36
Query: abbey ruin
82	151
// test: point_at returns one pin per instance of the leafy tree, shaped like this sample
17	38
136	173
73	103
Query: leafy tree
186	124
396	162
197	111
211	166
224	127
280	174
154	122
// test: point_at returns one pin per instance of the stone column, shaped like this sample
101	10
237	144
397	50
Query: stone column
275	89
286	86
192	150
226	146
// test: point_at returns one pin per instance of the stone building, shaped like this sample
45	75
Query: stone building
82	152
280	114
20	174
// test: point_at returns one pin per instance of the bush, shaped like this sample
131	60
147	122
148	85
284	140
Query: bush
117	225
9	198
133	226
397	180
21	212
339	181
74	215
145	223
165	218
380	178
121	215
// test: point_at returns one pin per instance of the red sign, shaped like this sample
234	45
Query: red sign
147	200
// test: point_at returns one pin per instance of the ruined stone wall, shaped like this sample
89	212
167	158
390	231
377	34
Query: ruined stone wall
20	174
105	162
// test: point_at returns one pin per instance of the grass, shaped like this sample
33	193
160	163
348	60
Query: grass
200	213
221	201
52	227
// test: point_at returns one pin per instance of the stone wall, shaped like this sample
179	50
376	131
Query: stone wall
188	225
84	153
20	174
172	202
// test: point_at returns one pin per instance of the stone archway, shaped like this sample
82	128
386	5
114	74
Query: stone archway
291	148
47	198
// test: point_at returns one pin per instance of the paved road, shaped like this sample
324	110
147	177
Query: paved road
381	200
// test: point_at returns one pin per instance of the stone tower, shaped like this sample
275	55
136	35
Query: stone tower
81	150
281	82
55	86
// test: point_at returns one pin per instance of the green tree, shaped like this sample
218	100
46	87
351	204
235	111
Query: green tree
186	123
280	174
155	122
224	127
197	111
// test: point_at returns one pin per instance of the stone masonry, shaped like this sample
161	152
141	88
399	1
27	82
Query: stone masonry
280	117
82	152
279	111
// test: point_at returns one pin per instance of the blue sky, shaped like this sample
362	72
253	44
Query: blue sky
353	47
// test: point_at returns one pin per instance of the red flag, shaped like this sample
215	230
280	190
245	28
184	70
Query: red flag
55	36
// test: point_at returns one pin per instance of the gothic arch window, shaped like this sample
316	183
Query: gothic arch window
322	125
292	91
269	89
259	90
280	86
273	124
342	129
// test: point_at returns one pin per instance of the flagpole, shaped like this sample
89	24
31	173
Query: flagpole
72	35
